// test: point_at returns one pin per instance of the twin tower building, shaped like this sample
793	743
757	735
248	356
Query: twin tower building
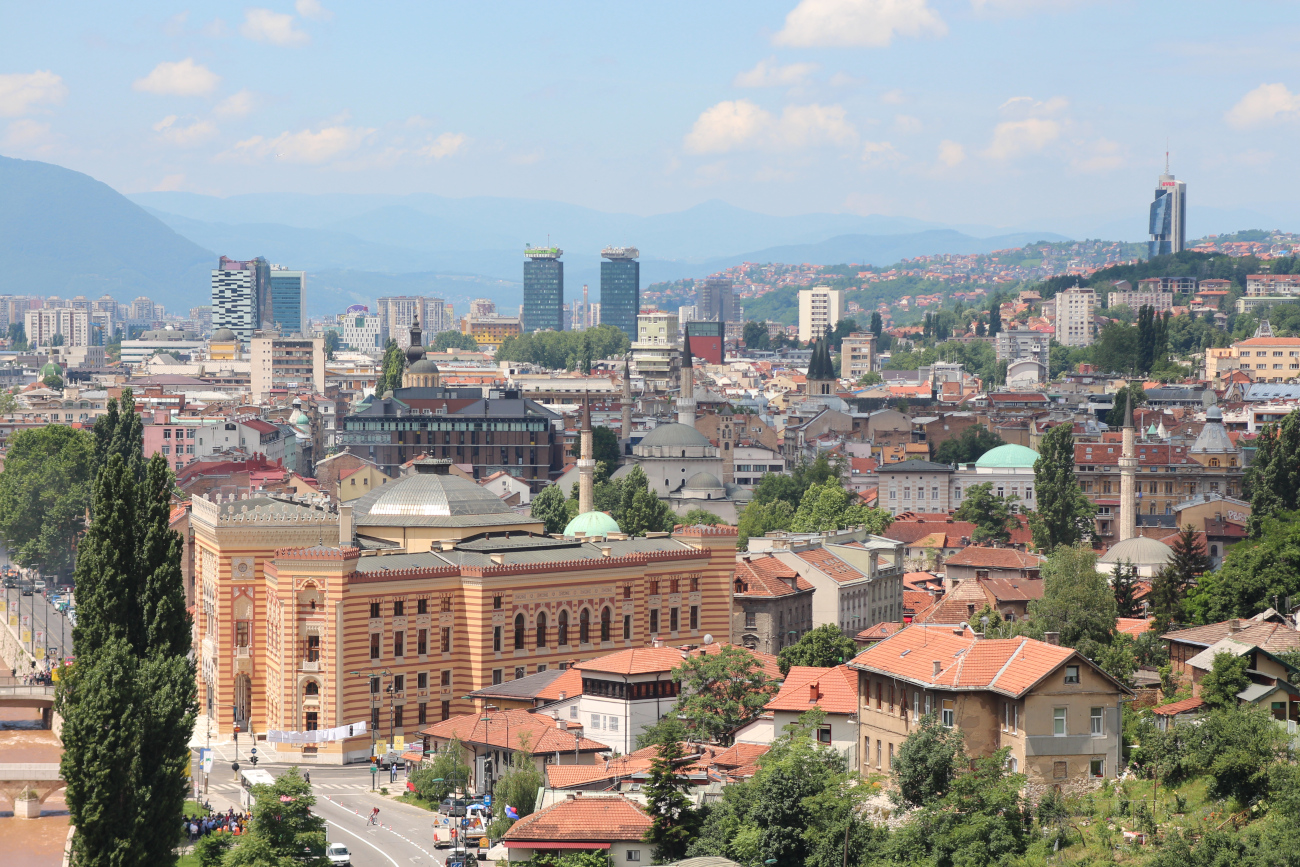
620	290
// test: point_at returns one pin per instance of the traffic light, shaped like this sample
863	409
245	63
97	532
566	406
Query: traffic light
234	767
254	761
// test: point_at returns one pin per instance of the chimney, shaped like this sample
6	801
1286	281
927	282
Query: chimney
1234	626
448	544
1053	638
498	558
605	550
813	693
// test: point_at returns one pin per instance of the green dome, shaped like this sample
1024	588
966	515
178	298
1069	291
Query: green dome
591	524
50	369
1009	456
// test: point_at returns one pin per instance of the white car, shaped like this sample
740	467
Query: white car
338	854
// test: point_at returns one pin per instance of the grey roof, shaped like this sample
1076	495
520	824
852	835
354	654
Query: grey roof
674	435
523	688
1256	691
460	556
702	481
1271	391
432	495
914	466
515	543
224	335
1213	437
424	365
1139	551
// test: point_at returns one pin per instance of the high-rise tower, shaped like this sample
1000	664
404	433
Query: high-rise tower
1168	215
620	288
241	296
288	297
543	289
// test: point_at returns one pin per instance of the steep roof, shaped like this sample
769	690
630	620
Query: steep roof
635	660
834	690
760	575
585	818
995	558
826	562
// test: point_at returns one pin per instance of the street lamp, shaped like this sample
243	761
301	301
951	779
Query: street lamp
370	675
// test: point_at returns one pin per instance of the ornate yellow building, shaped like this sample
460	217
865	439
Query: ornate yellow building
437	589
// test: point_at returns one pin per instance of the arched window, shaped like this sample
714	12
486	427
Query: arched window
541	629
311	688
604	624
564	629
519	632
584	627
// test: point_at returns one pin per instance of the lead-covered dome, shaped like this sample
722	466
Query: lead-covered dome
675	436
591	524
1009	456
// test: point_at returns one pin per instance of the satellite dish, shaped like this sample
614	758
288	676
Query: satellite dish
708	638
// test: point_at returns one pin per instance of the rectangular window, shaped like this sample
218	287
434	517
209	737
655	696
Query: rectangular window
374	610
422	680
627	627
879	751
1058	722
374	686
573	711
949	713
695	618
422	606
399	683
927	705
446	639
374	645
399	608
397	717
498	676
1072	674
312	721
446	677
634	854
695	584
1096	718
422	642
824	735
242	633
1097	768
520	671
891	757
496	603
751	620
496	639
611	723
1060	770
399	643
672	619
445	605
446	710
374	718
654	621
423	715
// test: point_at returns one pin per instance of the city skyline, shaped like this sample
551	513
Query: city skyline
813	106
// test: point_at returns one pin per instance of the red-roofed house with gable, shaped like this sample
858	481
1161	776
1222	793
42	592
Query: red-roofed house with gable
610	823
833	690
1057	712
772	605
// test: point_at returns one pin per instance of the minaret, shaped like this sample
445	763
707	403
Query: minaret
686	401
586	463
1127	477
627	397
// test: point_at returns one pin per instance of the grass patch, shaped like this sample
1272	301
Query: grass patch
416	801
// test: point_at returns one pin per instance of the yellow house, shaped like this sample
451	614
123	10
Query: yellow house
360	481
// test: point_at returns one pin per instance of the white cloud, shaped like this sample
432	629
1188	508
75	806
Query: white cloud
236	105
304	146
857	23
190	135
742	125
769	74
1027	106
1022	6
727	126
951	154
879	152
169	183
184	78
313	10
1103	155
26	134
21	92
1264	104
1016	138
445	145
893	97
263	25
216	29
907	124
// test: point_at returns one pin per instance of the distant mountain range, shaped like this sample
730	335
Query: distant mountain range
62	232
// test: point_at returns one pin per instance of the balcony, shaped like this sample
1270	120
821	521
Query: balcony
311	665
243	652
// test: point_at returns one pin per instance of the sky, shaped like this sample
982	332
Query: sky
1011	113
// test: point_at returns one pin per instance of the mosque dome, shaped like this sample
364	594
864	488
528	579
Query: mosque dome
703	482
427	493
675	436
1009	456
1139	551
224	335
591	524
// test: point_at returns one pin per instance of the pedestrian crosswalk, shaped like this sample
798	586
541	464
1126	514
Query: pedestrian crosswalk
321	787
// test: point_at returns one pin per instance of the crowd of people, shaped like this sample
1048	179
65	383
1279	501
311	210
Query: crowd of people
228	822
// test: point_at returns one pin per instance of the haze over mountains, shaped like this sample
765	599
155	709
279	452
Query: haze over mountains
64	233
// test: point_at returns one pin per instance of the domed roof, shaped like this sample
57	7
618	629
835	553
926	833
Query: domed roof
675	435
1140	551
592	524
299	417
424	365
49	368
1009	456
424	494
703	482
224	335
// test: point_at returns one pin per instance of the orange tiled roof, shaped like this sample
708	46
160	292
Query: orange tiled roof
585	818
566	685
880	631
1134	626
995	558
1178	707
635	660
827	562
740	755
959	604
761	575
834	690
568	776
543	735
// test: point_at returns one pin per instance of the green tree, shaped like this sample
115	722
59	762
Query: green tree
1123	583
1171	583
1227	677
1064	515
1253	574
1272	482
877	324
332	343
995	317
283	831
1077	600
53	382
44	494
642	511
927	761
1133	391
444	340
701	516
758	519
1236	746
390	369
442	776
991	515
548	507
968	447
722	691
791	486
1119	658
829	507
518	786
568	350
755	336
668	728
673	820
119	431
823	647
18	336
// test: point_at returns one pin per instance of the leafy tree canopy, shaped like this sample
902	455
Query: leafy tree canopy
991	514
823	647
44	494
1077	600
1253	574
722	691
927	761
829	507
445	340
1064	515
567	350
968	447
1220	685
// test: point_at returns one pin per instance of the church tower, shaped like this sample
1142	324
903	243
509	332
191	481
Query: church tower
821	380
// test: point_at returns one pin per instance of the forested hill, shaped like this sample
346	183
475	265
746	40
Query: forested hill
1201	266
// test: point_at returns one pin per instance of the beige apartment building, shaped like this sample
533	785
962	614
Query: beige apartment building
1075	312
1263	359
286	362
857	355
1058	714
820	309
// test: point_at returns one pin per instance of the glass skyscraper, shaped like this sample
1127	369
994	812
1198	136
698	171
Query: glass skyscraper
1168	226
288	291
543	289
620	289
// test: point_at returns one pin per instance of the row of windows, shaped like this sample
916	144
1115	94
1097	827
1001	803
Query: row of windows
421	607
400	643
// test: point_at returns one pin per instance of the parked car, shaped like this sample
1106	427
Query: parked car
338	854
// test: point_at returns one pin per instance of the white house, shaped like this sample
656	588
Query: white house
507	486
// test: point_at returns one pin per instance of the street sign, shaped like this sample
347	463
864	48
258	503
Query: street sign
487	800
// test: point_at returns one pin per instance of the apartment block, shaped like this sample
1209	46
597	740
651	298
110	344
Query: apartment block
820	310
286	362
1075	312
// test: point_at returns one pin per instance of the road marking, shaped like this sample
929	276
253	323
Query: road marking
364	840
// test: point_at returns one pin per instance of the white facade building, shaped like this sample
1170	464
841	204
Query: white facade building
360	331
73	325
820	309
1075	312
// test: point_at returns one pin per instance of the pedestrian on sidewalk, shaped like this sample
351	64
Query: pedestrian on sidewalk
307	776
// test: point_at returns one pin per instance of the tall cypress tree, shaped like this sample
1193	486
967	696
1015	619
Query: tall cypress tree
1064	515
995	317
128	703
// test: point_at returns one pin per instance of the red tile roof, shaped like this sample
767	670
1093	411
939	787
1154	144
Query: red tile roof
503	730
834	690
1178	707
761	575
569	776
878	632
1014	589
584	818
636	660
1133	626
909	532
995	558
566	685
831	565
1272	637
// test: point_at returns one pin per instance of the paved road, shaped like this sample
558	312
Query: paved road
403	837
55	626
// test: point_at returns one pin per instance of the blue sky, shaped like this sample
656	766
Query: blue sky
998	112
